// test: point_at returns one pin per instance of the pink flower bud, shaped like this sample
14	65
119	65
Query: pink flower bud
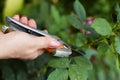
89	21
87	32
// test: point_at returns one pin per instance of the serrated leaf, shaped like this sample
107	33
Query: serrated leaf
76	73
117	44
102	27
59	63
79	9
83	62
58	74
75	22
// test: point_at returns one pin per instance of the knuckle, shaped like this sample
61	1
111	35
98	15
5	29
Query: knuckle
47	41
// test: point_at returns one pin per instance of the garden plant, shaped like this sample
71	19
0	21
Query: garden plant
91	29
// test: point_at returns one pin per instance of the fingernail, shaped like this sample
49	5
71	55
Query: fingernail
54	43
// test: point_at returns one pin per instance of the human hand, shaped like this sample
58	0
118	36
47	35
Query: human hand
22	45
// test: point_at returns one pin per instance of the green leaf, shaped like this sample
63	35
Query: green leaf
117	44
117	8
55	14
41	61
75	22
77	39
118	61
102	48
79	9
110	58
41	76
89	52
80	39
101	74
21	75
58	74
76	73
59	63
83	63
44	10
102	27
7	73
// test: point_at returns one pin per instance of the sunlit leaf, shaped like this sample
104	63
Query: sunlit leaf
58	74
102	27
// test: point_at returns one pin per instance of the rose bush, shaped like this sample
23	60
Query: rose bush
95	40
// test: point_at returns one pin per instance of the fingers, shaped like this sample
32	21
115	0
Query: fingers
25	20
40	52
46	42
46	30
32	23
33	55
16	17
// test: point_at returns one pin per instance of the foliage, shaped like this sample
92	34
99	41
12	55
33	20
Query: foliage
96	38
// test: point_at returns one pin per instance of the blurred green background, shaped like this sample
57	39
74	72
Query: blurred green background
53	16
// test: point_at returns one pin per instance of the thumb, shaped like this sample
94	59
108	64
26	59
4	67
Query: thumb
46	42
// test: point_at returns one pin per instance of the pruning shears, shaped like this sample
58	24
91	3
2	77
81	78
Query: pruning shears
13	25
